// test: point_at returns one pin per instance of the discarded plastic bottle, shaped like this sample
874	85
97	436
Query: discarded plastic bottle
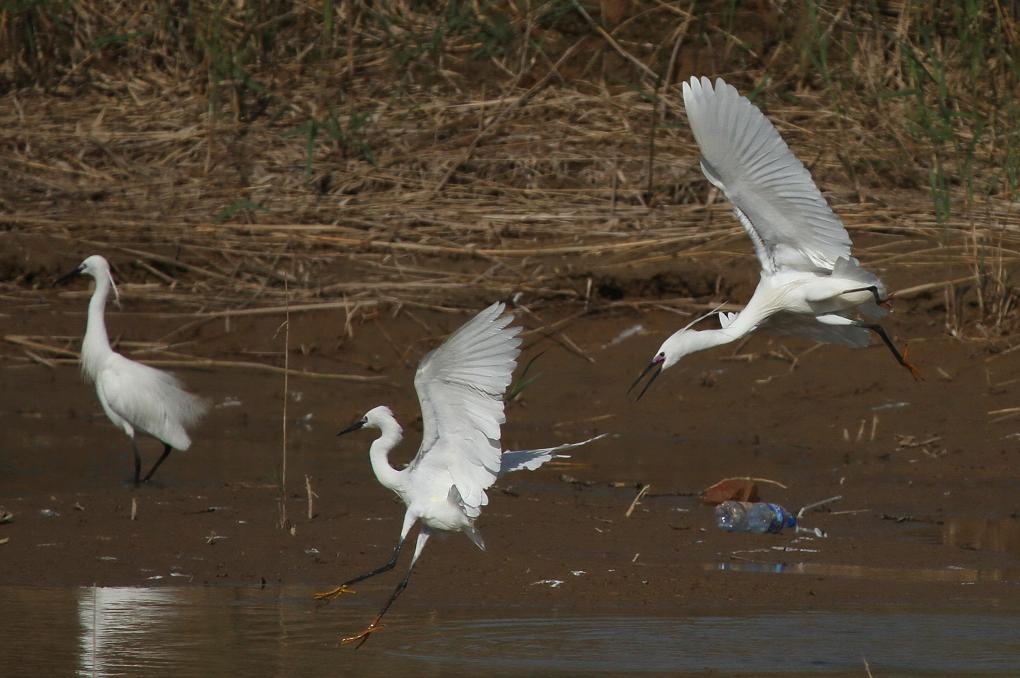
758	516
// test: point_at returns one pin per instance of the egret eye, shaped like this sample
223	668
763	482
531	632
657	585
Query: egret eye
662	354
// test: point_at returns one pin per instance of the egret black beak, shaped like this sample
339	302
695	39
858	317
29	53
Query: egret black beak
655	368
353	427
68	276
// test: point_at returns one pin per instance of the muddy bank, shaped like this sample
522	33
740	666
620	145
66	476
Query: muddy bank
929	478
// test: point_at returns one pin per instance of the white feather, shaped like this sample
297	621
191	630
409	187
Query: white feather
135	397
531	460
460	387
773	195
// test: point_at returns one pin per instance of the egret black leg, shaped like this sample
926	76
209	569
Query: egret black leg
362	637
874	291
166	453
138	462
342	589
900	358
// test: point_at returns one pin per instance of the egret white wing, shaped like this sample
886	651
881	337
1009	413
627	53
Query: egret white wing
460	387
151	400
531	460
772	192
827	329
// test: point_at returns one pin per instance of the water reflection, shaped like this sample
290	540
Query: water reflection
950	574
205	631
121	628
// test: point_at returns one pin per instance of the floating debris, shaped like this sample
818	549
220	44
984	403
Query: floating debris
230	401
551	583
213	538
890	406
49	513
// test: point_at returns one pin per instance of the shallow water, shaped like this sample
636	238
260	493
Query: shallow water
210	631
963	575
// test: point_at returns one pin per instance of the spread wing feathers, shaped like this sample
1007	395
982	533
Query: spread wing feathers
772	192
460	387
827	329
530	460
151	400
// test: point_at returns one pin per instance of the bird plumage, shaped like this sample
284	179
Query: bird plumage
771	191
810	284
460	386
135	397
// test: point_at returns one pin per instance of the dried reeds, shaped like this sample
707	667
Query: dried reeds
433	154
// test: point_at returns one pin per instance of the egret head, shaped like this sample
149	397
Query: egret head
680	343
374	418
97	267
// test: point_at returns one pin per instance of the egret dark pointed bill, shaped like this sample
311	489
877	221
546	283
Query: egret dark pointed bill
655	367
356	426
68	276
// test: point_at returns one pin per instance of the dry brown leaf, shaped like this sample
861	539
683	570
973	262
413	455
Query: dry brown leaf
737	489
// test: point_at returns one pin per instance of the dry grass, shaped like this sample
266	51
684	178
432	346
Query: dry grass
434	154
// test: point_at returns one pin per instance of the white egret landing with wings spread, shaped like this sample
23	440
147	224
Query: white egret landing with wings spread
460	387
135	397
810	284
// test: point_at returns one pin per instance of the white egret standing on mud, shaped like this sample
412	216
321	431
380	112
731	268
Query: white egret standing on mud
135	397
809	281
460	387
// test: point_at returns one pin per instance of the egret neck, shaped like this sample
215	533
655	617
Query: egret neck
391	436
95	346
688	341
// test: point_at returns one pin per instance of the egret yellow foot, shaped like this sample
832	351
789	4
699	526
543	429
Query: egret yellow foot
362	637
914	372
334	593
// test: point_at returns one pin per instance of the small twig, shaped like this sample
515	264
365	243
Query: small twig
499	117
286	397
311	496
634	503
808	507
612	42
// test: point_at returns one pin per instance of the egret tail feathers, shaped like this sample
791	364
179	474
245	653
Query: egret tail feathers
532	459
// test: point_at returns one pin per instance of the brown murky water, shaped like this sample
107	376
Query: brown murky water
184	632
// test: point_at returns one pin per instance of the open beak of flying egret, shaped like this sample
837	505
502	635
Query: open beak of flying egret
353	427
68	276
655	368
